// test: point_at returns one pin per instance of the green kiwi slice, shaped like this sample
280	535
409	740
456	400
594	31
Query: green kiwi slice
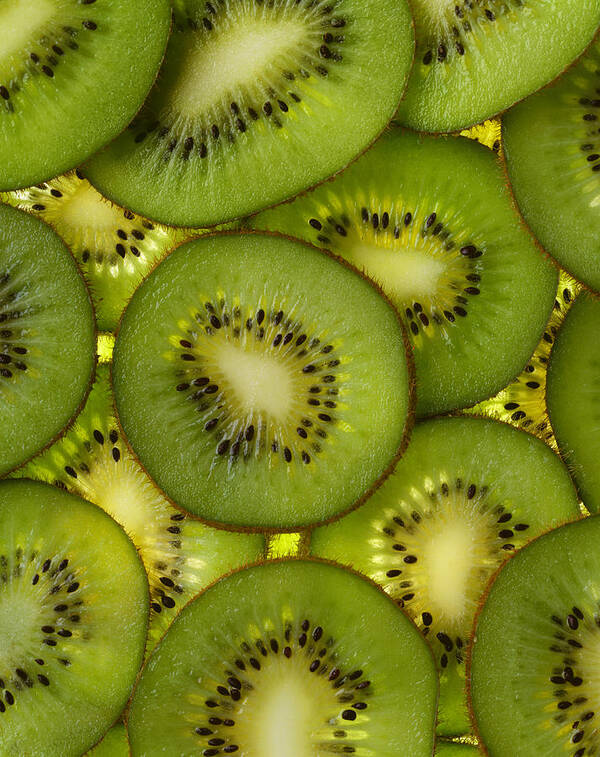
251	373
114	247
297	668
73	616
255	102
573	396
181	556
552	141
73	73
475	59
431	221
455	749
47	337
467	493
533	662
114	744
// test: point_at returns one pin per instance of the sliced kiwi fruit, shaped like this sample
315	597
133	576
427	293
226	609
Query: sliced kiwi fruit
552	141
114	247
72	75
181	556
475	59
252	373
573	396
115	744
467	493
73	617
255	102
47	337
455	749
297	668
432	222
533	663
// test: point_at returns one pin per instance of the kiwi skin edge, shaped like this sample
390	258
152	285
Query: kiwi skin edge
408	425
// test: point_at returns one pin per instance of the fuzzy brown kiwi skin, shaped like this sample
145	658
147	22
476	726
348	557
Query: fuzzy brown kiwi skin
92	377
408	425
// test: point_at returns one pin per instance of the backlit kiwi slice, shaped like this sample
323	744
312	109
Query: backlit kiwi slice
73	615
573	395
475	59
47	338
261	382
308	659
180	556
431	221
114	247
534	660
115	744
552	142
255	102
72	75
467	493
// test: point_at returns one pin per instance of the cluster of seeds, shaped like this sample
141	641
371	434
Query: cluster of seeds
13	352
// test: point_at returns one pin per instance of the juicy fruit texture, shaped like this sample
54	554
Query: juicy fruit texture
72	623
534	671
66	81
46	337
292	671
114	248
455	749
181	556
249	379
551	141
256	102
467	493
573	396
431	221
114	744
475	59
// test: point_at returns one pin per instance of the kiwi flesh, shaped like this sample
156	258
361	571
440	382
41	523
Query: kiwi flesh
551	141
476	58
573	396
72	622
72	75
114	247
181	556
467	493
114	744
455	749
255	102
432	222
533	663
297	668
47	337
251	372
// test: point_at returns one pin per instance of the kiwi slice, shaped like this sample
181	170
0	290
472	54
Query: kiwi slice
255	102
533	663
114	247
573	395
47	337
72	75
467	493
475	59
455	749
297	668
552	141
251	373
73	615
114	744
181	556
431	221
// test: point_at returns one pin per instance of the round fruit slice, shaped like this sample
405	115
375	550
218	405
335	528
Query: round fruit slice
474	60
467	493
534	670
252	373
256	102
72	622
573	396
47	337
115	744
297	668
181	556
431	221
551	141
73	73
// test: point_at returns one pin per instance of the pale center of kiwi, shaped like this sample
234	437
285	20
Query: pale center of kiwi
21	21
19	616
86	209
